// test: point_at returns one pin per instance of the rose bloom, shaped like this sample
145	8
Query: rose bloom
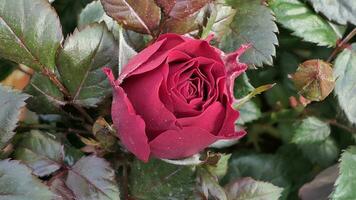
175	98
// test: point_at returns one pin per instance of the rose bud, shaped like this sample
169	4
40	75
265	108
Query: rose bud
174	98
314	80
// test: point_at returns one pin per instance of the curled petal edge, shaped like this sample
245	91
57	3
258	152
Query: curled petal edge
234	68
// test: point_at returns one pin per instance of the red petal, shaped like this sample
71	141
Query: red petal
130	126
227	130
175	144
143	91
139	59
210	120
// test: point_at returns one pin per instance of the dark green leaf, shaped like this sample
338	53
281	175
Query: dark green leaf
248	112
304	23
92	178
249	189
278	96
6	67
321	186
311	130
17	183
322	153
80	62
345	89
46	97
41	152
253	23
262	167
68	11
136	40
341	11
345	184
94	12
143	16
242	86
160	181
30	33
287	168
10	103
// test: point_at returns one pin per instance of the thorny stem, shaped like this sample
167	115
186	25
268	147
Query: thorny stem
84	113
25	127
340	46
125	182
54	79
346	128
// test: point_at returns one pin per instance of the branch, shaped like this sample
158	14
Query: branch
56	81
346	128
340	46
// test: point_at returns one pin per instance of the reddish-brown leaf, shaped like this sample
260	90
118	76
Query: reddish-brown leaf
138	15
166	5
184	8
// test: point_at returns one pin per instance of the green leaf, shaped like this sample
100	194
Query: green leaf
304	23
346	182
262	167
242	86
10	103
160	181
30	33
221	16
94	12
142	17
287	168
209	185
249	189
248	113
17	183
322	153
253	23
220	168
311	130
126	52
92	178
46	97
341	11
80	61
345	88
41	152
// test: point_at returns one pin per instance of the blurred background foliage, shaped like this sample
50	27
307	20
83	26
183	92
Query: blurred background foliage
295	148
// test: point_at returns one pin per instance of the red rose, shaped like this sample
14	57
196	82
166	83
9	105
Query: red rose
174	98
